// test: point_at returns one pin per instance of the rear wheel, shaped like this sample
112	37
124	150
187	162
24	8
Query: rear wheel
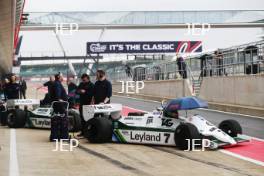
231	127
184	136
3	115
75	122
99	130
16	118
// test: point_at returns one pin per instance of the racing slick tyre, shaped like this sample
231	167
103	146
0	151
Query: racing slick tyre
230	127
184	135
75	122
99	130
3	115
16	118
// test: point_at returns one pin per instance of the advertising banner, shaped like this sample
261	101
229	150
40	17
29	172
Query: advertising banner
144	47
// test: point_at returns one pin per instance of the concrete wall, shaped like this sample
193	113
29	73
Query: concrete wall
158	90
234	90
7	15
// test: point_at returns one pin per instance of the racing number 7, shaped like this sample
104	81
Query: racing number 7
167	136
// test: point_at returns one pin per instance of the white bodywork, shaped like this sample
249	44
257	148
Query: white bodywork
155	120
43	112
208	129
107	109
22	102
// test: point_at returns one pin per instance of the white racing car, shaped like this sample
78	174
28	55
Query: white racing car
160	127
28	113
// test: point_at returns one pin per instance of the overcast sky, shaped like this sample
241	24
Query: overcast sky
141	5
39	42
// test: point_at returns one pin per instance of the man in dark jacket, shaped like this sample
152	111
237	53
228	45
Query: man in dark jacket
12	89
58	92
85	90
23	88
72	87
182	67
49	84
59	121
102	88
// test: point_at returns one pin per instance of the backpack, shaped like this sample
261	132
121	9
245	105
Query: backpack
59	121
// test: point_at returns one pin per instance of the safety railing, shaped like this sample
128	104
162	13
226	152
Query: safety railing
161	71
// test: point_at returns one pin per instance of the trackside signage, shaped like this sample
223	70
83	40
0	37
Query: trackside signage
144	47
148	137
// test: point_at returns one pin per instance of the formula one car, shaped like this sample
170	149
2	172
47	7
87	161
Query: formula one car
27	113
159	127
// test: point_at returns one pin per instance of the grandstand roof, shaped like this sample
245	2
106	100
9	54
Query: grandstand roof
147	17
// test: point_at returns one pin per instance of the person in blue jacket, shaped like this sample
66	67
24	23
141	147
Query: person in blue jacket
58	91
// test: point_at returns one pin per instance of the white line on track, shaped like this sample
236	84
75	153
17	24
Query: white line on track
225	151
242	157
258	139
232	113
13	162
213	110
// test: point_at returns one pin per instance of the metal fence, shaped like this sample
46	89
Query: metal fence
241	60
161	71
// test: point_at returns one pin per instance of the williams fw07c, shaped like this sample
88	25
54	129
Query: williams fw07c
160	127
19	113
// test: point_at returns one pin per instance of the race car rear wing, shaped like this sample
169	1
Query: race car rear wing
113	110
21	102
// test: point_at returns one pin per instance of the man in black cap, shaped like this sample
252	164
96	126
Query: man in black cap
85	90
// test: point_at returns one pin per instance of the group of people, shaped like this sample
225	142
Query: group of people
89	93
14	88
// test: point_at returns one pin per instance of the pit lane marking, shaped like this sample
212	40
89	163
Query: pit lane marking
209	163
242	157
113	161
13	162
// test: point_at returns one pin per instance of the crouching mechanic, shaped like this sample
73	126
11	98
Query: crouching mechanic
102	88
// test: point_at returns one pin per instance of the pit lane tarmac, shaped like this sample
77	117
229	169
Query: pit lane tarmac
35	157
27	152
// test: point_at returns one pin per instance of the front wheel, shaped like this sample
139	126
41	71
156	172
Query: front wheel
75	122
184	136
231	127
16	118
98	130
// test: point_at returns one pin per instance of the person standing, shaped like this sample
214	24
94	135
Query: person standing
5	87
58	92
85	90
102	88
72	87
12	89
59	120
182	67
23	88
49	84
219	63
